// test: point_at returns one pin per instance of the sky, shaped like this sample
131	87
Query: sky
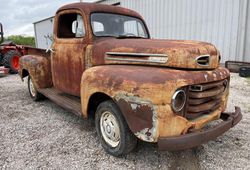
18	16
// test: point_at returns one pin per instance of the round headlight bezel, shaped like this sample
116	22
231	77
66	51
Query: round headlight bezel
175	98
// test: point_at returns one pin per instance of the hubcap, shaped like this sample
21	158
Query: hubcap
32	88
110	129
15	62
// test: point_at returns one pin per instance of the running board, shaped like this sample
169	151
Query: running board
68	102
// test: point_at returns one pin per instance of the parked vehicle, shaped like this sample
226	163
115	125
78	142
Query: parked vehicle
10	53
103	64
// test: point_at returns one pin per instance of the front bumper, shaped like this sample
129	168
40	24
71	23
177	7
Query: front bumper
196	138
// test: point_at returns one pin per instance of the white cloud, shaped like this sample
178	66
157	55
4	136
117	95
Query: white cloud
17	16
26	30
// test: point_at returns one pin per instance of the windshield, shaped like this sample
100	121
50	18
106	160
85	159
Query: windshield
115	25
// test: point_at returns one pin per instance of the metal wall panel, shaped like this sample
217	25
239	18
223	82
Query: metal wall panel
246	54
214	21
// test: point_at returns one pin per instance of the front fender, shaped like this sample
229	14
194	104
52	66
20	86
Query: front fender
144	95
38	67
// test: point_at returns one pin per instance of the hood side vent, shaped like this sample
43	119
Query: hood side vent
137	57
203	60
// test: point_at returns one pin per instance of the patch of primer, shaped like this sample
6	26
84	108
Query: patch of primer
134	106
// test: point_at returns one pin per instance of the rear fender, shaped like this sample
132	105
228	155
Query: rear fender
39	68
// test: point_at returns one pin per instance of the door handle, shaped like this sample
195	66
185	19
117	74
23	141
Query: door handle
50	50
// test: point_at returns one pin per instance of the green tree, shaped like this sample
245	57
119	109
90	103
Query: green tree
22	40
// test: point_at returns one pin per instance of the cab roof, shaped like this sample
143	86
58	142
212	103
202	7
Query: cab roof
89	8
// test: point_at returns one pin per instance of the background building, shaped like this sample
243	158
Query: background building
44	32
224	23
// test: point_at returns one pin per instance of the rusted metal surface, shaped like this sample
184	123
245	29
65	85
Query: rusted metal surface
197	138
141	115
38	67
153	87
205	98
89	8
129	72
180	54
69	53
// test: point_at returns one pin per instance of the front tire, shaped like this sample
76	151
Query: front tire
112	129
34	94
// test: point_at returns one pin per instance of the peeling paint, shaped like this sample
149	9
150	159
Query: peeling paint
149	133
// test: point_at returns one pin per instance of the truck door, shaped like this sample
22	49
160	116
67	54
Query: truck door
68	51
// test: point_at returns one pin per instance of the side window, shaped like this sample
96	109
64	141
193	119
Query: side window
70	26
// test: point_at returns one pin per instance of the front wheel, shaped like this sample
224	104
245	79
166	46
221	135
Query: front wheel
112	129
34	94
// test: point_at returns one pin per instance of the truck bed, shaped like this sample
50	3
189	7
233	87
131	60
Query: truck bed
36	51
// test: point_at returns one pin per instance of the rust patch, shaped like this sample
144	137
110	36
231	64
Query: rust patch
39	68
140	115
152	89
180	54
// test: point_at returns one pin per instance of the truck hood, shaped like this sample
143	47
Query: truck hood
169	53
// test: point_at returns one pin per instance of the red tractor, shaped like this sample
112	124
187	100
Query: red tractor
10	53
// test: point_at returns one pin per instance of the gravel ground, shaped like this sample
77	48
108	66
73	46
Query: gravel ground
41	135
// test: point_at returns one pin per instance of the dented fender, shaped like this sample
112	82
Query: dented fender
39	68
144	94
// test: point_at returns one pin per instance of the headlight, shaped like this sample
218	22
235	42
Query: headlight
178	100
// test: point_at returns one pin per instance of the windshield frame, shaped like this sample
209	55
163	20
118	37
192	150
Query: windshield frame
140	19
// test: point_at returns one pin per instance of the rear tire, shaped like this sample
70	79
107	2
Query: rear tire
112	129
34	94
11	60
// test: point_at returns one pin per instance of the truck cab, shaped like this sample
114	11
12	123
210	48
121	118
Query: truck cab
103	64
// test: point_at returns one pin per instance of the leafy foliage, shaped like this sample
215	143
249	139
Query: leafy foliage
22	40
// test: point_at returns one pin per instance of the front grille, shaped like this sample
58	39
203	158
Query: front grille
205	98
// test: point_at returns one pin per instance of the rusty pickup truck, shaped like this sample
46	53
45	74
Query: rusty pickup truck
104	65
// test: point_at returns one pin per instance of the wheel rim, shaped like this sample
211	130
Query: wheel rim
32	88
15	62
110	129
